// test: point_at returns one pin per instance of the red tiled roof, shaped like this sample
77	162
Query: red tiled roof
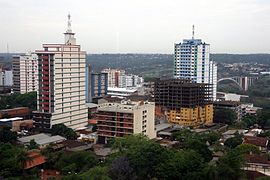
257	141
257	158
35	159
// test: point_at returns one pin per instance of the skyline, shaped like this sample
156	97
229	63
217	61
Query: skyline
234	26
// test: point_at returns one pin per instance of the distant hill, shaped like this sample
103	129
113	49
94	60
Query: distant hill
234	58
152	65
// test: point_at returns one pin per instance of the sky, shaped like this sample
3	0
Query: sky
136	26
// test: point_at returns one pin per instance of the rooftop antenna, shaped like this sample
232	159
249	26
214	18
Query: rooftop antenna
7	52
193	29
69	23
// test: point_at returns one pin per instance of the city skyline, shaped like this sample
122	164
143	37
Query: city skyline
234	26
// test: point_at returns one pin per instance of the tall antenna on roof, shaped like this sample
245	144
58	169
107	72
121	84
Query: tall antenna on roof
193	29
69	24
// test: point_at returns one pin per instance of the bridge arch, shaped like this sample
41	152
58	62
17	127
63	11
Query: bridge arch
231	79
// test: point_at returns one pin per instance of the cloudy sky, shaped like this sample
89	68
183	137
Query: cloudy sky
137	26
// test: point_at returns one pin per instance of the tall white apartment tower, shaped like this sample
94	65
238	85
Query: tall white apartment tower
191	60
61	85
25	73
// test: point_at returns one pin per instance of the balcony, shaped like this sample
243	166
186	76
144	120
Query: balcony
45	88
45	57
45	103
45	68
46	98
45	78
46	82
45	62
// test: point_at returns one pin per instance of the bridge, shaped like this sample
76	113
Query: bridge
243	82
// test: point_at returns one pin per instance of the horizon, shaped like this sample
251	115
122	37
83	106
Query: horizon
146	53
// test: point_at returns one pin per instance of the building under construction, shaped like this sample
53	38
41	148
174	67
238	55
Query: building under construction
186	103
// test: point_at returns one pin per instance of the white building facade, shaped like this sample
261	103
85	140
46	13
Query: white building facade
61	91
25	73
191	60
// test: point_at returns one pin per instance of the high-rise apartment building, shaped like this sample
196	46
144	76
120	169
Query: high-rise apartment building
186	103
61	85
114	76
25	73
125	118
96	85
192	61
8	78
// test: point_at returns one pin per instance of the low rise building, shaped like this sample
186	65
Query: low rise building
121	92
261	142
42	139
249	109
233	105
125	118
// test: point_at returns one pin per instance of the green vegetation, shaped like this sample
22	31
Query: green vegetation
12	161
233	142
261	88
32	145
247	148
226	116
262	119
75	162
7	136
19	100
63	130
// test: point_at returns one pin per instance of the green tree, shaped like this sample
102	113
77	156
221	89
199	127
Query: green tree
229	166
233	141
227	116
250	120
19	100
63	130
121	170
76	162
182	164
247	148
200	147
9	166
96	173
22	158
211	137
7	136
32	145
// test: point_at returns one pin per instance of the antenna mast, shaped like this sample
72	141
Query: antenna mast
69	23
193	29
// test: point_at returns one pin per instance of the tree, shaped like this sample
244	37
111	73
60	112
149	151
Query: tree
247	148
76	162
23	157
96	173
211	137
32	145
233	141
227	116
63	130
7	136
19	100
121	169
9	166
250	120
200	147
229	166
181	164
144	155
